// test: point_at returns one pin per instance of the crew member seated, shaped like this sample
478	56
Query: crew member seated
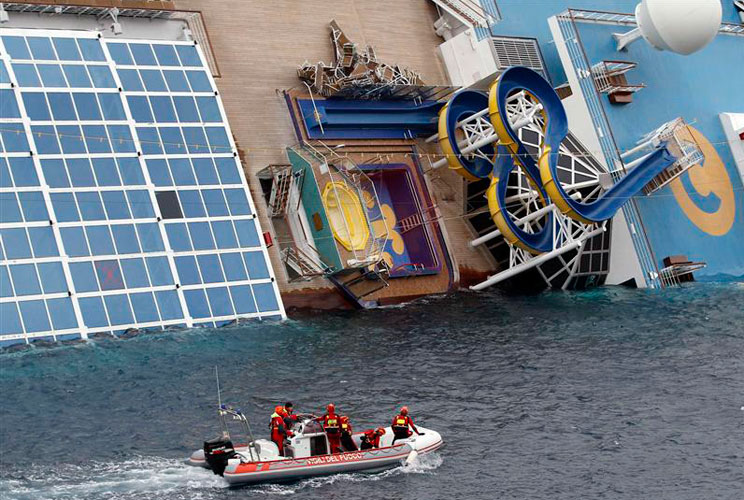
332	428
371	438
401	424
279	431
346	431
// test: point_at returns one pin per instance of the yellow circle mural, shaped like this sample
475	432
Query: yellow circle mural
709	178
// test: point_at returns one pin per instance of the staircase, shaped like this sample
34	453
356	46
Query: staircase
304	266
355	284
280	190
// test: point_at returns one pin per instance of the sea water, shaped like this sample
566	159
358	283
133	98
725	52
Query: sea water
610	393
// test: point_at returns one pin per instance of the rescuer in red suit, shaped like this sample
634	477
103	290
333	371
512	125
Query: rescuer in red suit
371	438
279	431
346	431
402	425
332	427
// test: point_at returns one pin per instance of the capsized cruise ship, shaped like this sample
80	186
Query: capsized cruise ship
178	164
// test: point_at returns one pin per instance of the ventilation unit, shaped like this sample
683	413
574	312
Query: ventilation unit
516	51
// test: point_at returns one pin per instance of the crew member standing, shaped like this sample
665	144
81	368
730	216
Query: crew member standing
402	425
289	417
346	431
332	428
279	431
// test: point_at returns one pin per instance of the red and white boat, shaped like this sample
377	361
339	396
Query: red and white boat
306	454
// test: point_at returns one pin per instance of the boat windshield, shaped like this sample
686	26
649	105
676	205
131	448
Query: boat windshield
311	427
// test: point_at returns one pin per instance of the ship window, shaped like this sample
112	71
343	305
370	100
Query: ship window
94	315
111	107
121	138
153	80
169	305
83	277
81	173
25	279
118	309
86	105
168	204
186	109
209	110
55	173
159	271
265	297
102	77
120	53
139	202
196	301
51	75
199	81
76	75
14	138
16	47
41	48
106	173
52	277
6	290
188	273
8	105
116	205
149	236
131	173
228	170
34	315
62	313
192	203
99	240
10	321
61	104
224	234
219	300
218	139
243	299
256	265
33	206
125	238
233	265
172	140
43	242
176	80
215	202
205	171
166	55
237	202
144	307
134	273
130	80
196	140
74	242
142	53
96	139
162	108
188	55
91	49
67	49
149	141
178	237
4	75
71	139
247	234
183	175
201	236
140	109
9	209
211	271
64	207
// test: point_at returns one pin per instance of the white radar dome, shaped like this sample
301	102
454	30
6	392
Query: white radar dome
681	26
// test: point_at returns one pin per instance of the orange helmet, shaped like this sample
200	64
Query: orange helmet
404	410
380	431
279	410
331	409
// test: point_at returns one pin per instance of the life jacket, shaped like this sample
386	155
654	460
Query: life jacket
277	423
345	425
401	421
372	437
331	424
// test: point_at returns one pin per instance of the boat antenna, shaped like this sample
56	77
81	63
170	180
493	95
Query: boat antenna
220	408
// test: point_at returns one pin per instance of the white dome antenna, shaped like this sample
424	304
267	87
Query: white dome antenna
681	27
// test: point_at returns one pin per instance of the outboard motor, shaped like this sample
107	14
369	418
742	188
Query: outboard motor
217	452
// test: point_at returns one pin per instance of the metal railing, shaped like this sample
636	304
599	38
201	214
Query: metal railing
606	72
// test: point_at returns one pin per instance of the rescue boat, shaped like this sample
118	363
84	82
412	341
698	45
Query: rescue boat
305	454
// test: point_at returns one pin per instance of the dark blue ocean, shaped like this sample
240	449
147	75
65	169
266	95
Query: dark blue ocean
611	393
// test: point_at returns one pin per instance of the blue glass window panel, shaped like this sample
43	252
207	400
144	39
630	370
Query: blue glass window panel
130	80
9	209
188	274
247	234
9	105
55	173
144	307
91	49
237	201
125	238
106	172
62	313
16	47
149	236
120	53
96	139
131	172
234	267
74	241
64	207
87	106
196	140
208	108
172	140
159	269
10	321
116	205
191	203
33	206
140	108
149	140
52	277
159	173
102	77
178	237
219	299
36	106
224	234
81	174
166	55
14	138
265	297
43	241
24	171
215	202
176	81
4	75
142	53
76	75
111	106
186	109
196	302
99	240
34	315
51	75
140	204
135	273
61	104
256	265
71	138
41	48
26	75
46	139
118	309
162	108
218	140
243	299
201	235
153	80
228	170
6	289
199	81
210	268
121	139
5	180
169	305
188	55
83	277
67	49
109	275
94	315
205	171
25	280
90	205
16	244
183	175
